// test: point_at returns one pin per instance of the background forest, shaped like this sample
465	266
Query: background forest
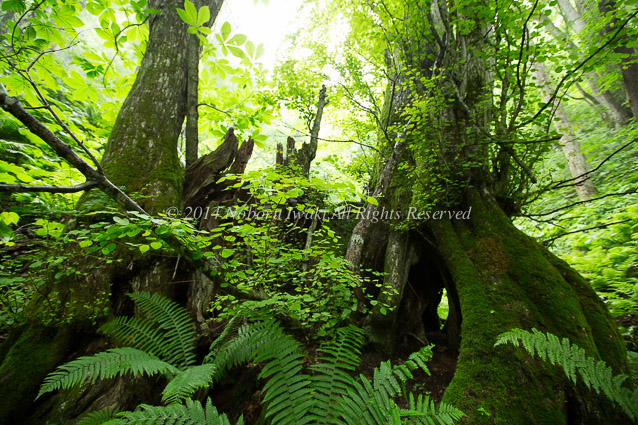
384	212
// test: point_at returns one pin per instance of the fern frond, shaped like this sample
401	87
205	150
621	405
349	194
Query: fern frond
185	383
193	413
595	374
175	324
104	365
242	348
332	379
229	332
287	394
371	402
137	333
100	417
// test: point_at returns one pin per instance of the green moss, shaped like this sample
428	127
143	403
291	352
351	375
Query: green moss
30	359
505	279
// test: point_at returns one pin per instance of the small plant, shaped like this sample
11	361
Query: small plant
163	343
595	374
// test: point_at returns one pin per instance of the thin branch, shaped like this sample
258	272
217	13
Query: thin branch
15	188
13	106
565	183
218	110
336	140
586	229
564	207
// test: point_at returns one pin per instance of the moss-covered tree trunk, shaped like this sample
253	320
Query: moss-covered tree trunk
141	157
504	280
496	277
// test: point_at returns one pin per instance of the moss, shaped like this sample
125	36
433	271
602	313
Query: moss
30	359
505	279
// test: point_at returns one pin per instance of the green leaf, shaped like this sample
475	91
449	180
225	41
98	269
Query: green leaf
203	15
121	221
260	50
109	248
226	253
9	218
236	51
144	248
373	201
238	39
156	245
184	16
17	6
225	32
250	48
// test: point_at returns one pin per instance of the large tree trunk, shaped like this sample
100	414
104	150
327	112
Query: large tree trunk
496	277
505	279
141	156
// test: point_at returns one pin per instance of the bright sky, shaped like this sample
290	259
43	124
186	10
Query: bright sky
267	24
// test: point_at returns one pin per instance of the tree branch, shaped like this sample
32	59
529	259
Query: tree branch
13	106
567	182
14	188
600	226
564	207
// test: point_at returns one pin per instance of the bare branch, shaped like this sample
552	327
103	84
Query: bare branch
567	182
14	188
564	207
600	226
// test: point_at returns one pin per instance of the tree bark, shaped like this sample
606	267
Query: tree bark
569	143
192	100
299	160
505	279
496	277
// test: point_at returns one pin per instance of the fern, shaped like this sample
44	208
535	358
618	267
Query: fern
287	394
187	382
332	378
108	364
595	374
161	343
372	401
193	413
167	331
99	417
137	333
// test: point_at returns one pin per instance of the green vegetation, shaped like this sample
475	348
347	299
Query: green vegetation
184	215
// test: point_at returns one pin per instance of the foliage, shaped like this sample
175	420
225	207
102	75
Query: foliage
265	249
330	395
166	331
109	364
192	413
163	342
595	374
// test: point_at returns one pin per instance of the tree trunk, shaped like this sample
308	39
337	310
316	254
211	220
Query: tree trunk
496	277
141	156
628	56
571	148
505	279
